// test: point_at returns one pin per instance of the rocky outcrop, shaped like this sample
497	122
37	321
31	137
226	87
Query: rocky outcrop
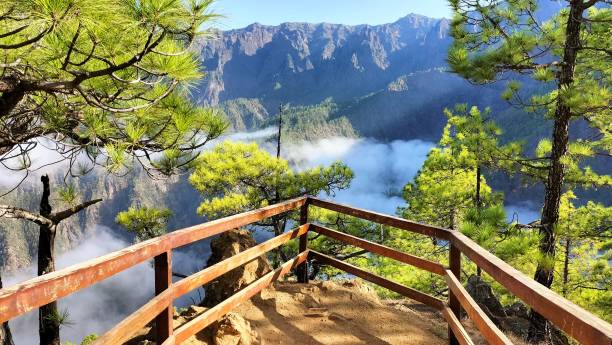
513	319
227	245
483	295
233	329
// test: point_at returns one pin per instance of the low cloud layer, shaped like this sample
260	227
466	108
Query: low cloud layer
98	308
381	169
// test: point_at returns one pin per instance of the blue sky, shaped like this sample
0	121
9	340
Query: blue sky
240	13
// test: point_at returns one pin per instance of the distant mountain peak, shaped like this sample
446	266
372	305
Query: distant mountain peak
315	61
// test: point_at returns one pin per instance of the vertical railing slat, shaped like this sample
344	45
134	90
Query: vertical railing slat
163	281
454	264
302	271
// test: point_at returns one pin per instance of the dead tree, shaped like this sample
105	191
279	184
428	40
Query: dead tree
49	318
5	332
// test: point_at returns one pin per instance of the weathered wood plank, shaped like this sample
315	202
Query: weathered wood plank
302	270
396	222
459	332
137	320
454	260
376	248
575	321
21	298
205	319
206	275
486	327
376	279
163	281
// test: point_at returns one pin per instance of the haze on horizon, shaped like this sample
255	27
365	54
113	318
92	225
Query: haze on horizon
241	13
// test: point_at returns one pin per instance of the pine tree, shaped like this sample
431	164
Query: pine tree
584	243
239	177
145	222
100	83
49	317
570	55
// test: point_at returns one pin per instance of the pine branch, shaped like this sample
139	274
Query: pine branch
59	216
7	211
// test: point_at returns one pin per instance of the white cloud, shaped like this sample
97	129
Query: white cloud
98	308
381	169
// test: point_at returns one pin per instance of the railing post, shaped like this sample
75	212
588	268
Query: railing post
302	270
163	281
454	264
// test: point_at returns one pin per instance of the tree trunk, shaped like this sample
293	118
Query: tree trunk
5	332
10	99
568	247
48	315
539	329
478	202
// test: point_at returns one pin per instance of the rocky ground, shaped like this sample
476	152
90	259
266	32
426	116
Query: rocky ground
340	312
319	313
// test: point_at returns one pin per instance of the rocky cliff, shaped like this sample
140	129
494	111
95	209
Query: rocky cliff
305	63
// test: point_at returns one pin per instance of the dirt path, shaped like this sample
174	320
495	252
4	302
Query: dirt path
326	313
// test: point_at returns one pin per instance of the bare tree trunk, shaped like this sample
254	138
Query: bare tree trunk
48	315
478	205
539	329
280	128
49	320
568	247
5	332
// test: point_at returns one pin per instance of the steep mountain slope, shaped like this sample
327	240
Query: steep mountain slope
19	239
389	81
306	63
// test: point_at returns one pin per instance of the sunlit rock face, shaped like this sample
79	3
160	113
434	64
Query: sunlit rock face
311	62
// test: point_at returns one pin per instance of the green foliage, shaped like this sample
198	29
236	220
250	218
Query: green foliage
239	177
314	122
584	255
104	81
511	44
569	56
445	187
245	114
61	318
236	177
145	222
68	194
310	122
88	340
450	191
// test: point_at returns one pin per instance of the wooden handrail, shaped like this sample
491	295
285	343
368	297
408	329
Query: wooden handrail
378	280
572	319
137	320
567	316
486	327
21	298
575	321
376	248
396	222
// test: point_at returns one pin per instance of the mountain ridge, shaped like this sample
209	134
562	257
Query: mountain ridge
306	63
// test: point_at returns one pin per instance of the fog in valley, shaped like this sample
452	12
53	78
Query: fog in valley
381	170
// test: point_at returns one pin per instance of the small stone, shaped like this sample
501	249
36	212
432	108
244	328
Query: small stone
233	329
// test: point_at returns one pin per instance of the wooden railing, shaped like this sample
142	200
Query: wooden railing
573	320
